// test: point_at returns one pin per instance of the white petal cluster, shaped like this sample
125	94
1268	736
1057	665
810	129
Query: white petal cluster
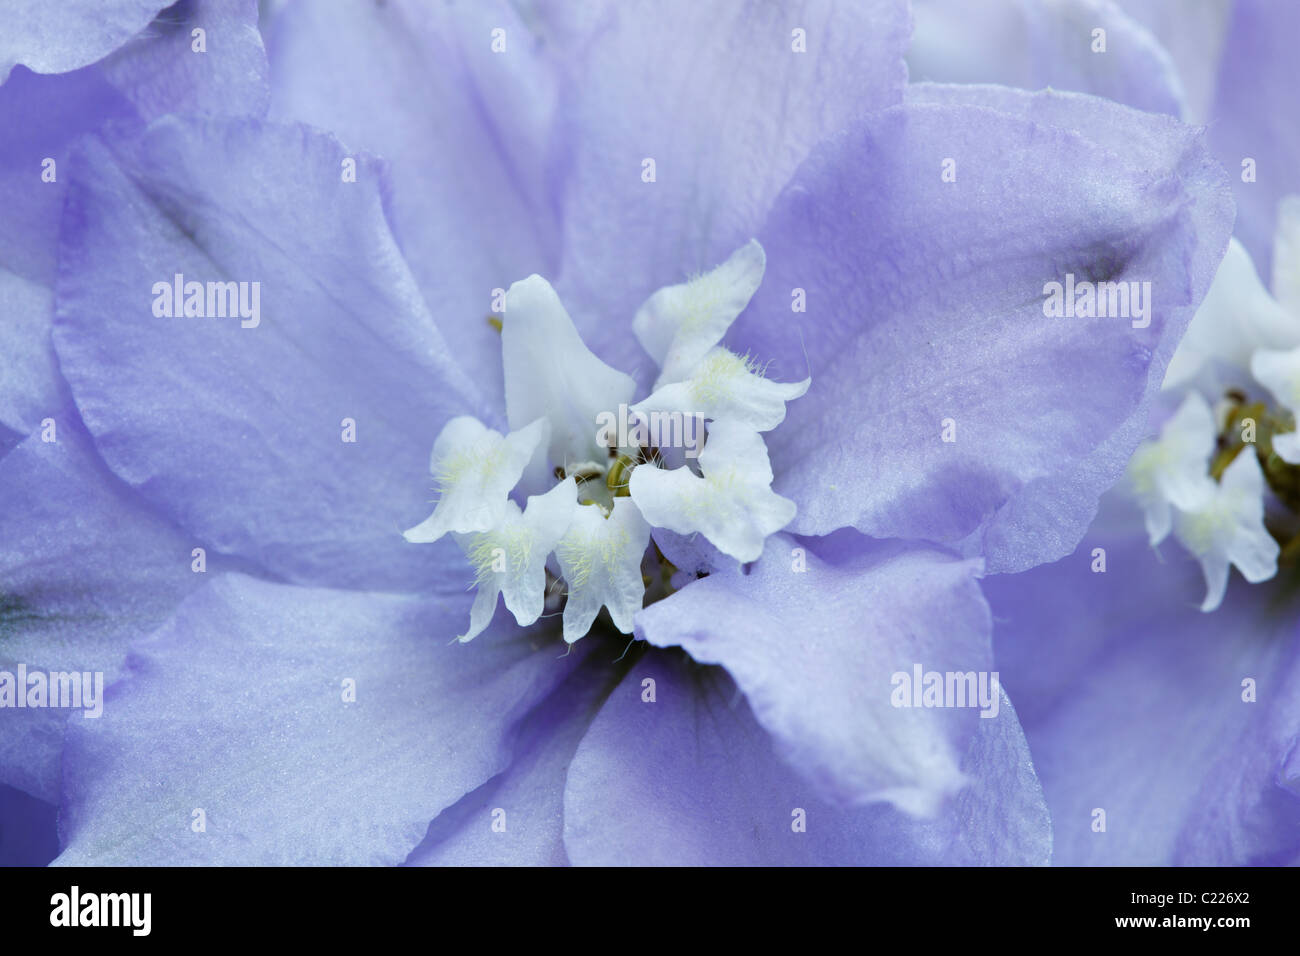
593	527
1173	471
1228	529
1247	338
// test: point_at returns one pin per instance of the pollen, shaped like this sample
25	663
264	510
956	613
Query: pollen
699	299
719	371
616	480
506	550
584	553
456	468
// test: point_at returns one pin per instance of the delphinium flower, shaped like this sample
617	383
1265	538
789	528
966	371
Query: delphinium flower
1087	46
664	207
1159	687
1179	745
599	471
1222	63
87	565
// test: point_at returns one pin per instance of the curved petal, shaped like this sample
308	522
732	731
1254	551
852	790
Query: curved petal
946	404
550	371
44	115
85	569
1173	471
1286	261
1134	703
1194	34
517	817
731	504
285	765
29	376
57	37
473	197
156	73
296	433
693	554
510	559
171	68
675	771
730	387
818	652
726	102
1229	530
475	469
680	324
1255	89
1045	43
1279	372
1236	317
600	558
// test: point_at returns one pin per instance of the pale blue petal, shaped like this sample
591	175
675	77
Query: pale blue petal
929	323
816	651
690	779
238	707
239	431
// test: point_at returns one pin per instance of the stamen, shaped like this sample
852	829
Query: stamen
616	479
611	566
586	471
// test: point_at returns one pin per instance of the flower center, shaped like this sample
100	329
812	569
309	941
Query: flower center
1206	478
1251	428
604	501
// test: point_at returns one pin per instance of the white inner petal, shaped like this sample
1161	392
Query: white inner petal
1229	529
680	323
550	371
730	387
475	469
510	559
600	558
597	520
1174	469
1236	317
731	503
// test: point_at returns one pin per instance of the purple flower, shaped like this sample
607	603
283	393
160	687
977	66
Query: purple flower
1159	690
1179	726
218	524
